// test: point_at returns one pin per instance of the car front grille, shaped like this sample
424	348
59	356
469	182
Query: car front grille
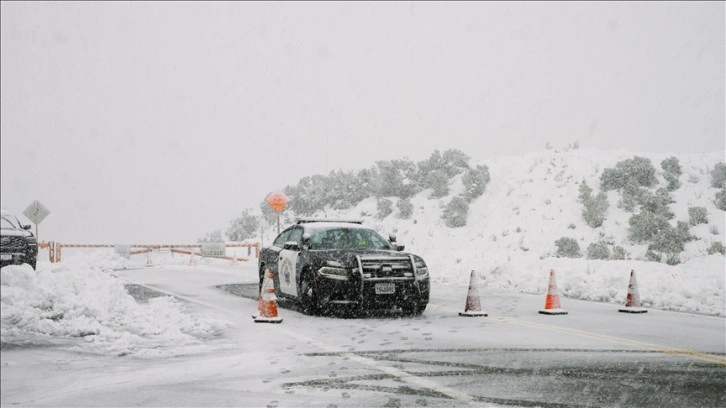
385	267
12	244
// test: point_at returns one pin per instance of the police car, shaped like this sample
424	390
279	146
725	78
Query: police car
333	265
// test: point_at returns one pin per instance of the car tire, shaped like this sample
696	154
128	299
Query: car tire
262	279
33	263
414	309
309	294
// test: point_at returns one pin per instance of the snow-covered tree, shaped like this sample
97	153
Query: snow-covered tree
245	226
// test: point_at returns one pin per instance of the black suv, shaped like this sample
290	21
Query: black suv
17	244
335	265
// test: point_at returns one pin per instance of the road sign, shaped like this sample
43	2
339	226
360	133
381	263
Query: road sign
213	249
36	212
278	200
123	250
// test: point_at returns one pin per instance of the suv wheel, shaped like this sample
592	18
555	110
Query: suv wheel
414	309
309	294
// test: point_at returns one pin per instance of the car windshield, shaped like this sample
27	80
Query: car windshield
6	223
348	238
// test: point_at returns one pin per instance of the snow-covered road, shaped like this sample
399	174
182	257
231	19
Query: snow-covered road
594	356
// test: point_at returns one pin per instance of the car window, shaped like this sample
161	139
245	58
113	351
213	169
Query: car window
295	235
282	238
348	238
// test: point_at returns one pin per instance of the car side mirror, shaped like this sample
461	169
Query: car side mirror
26	227
306	240
400	248
392	238
291	246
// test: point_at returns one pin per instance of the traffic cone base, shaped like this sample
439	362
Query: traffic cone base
553	311
473	304
633	310
472	313
260	319
267	302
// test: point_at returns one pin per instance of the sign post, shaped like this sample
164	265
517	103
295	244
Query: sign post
36	212
278	201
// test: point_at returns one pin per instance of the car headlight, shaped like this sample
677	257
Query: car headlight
422	271
333	273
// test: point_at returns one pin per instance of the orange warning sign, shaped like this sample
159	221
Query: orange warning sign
278	200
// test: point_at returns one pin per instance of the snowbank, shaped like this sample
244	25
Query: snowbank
80	300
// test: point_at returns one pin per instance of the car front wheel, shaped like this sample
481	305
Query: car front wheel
309	295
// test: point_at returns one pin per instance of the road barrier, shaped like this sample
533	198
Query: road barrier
55	248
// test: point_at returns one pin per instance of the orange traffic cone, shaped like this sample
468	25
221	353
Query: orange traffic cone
632	301
267	304
552	302
473	305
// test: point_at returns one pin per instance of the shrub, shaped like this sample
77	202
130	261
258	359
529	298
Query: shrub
652	256
595	208
438	181
455	213
568	248
669	241
618	253
718	175
598	251
475	182
683	231
612	179
697	215
632	195
671	166
385	208
585	191
673	182
658	203
717	247
645	225
721	199
638	169
673	259
405	208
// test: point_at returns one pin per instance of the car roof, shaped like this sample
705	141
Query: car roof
317	220
319	226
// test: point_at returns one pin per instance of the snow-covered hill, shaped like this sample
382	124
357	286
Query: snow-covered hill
532	200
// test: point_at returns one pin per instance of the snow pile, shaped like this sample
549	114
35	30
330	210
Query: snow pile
79	300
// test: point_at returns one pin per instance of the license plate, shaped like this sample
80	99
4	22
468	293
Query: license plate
6	257
385	288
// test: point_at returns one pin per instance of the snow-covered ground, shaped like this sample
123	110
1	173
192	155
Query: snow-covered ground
509	240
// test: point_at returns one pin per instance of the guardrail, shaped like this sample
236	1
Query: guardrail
55	248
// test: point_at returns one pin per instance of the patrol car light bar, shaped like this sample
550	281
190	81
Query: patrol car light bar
309	220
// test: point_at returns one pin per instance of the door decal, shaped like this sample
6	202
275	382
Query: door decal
287	267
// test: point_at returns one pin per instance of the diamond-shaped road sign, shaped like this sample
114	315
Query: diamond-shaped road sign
36	212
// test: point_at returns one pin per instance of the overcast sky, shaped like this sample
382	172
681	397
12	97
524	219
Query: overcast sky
159	122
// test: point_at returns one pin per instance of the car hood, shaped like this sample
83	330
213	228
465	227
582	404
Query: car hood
8	232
